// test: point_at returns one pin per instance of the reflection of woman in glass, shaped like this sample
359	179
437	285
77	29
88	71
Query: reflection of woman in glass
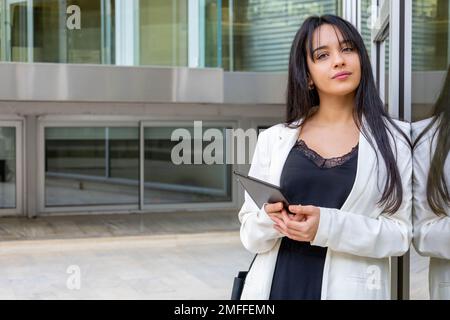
431	193
345	167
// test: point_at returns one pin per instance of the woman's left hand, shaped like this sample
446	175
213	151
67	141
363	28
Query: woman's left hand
302	225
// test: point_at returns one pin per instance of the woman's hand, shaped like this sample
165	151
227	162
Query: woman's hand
302	225
274	209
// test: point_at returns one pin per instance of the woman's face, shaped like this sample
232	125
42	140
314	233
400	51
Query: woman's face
335	66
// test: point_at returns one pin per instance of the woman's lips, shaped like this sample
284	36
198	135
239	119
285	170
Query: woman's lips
342	75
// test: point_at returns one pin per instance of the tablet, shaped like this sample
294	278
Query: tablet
260	191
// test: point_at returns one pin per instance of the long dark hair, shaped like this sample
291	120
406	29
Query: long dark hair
437	191
301	101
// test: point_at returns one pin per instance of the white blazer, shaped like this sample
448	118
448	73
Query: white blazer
431	232
359	237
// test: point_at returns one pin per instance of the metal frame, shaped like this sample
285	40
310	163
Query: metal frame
106	31
394	59
127	32
125	121
201	36
17	123
394	19
219	34
352	12
193	34
102	83
407	43
448	37
30	34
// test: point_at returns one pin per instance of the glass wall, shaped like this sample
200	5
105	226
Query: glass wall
430	62
7	167
163	32
367	19
256	35
87	166
244	35
430	53
71	31
91	166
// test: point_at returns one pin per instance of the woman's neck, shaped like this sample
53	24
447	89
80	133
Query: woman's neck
335	110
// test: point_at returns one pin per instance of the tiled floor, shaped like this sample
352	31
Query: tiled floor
189	266
112	225
135	256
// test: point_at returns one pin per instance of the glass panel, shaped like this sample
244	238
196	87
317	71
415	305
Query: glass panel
366	22
18	24
163	32
7	167
74	37
91	166
260	33
71	31
244	35
84	45
430	53
168	182
430	62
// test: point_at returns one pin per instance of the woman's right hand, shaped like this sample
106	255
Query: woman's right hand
276	211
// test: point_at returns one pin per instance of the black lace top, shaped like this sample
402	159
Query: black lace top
322	162
309	179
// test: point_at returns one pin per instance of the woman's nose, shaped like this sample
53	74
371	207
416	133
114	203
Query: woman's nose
338	60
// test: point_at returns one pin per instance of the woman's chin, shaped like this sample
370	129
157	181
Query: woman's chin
341	92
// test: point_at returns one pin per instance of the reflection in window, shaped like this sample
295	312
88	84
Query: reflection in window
52	40
163	32
244	35
91	166
167	182
430	49
18	19
256	35
430	53
7	167
366	23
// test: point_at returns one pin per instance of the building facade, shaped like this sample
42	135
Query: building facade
91	91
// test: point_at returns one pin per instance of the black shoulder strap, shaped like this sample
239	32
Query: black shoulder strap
252	262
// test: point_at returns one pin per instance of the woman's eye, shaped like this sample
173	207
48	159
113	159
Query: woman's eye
348	49
321	56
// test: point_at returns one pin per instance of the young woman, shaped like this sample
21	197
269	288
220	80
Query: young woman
431	219
344	166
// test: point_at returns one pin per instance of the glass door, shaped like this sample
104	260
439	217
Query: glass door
10	168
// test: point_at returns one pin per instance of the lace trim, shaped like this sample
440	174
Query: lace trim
322	162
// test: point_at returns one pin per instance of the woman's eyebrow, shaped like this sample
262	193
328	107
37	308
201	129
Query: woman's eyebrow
320	48
326	46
